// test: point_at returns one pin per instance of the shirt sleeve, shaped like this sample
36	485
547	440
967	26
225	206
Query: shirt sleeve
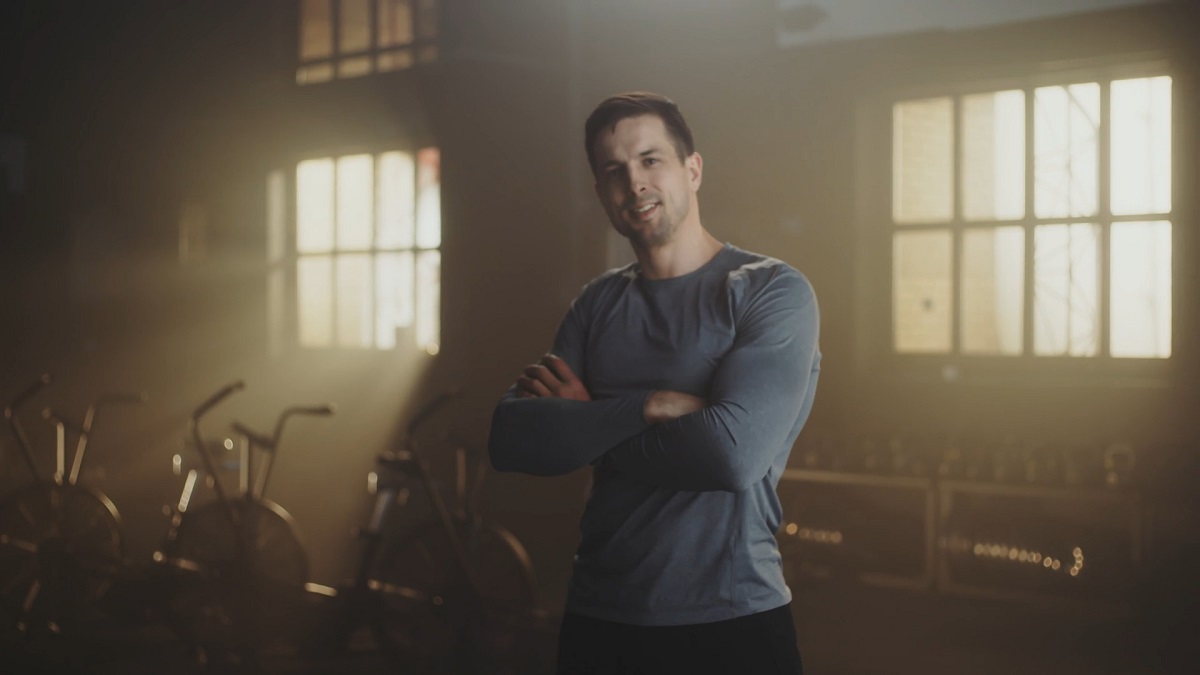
554	436
760	392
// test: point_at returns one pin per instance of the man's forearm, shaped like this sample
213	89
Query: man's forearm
553	436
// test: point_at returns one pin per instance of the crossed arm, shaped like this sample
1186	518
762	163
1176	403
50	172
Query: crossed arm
761	392
552	377
547	424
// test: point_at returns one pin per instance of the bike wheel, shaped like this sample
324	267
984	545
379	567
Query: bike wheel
429	617
222	603
60	549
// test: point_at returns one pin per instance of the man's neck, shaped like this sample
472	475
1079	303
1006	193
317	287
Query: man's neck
679	256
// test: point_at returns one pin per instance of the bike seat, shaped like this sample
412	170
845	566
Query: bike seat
399	460
261	440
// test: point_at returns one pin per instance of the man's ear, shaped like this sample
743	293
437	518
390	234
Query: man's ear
695	169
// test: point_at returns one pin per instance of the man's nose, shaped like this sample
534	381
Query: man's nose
637	181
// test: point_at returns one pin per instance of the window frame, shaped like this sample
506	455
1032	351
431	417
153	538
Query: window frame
283	266
874	286
422	50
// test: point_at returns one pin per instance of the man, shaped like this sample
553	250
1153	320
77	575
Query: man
683	379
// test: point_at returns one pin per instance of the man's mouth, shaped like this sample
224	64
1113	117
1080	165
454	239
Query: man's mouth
644	210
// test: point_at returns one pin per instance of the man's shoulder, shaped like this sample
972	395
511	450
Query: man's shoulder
756	271
607	282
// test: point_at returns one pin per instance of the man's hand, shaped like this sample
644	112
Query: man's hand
664	406
551	377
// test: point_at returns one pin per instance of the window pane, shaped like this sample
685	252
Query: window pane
993	290
396	200
393	297
314	300
922	291
1140	282
355	27
429	198
276	216
395	23
355	192
923	147
276	252
994	156
1141	146
1065	142
354	300
321	72
314	206
427	19
316	29
276	305
429	293
394	60
1066	320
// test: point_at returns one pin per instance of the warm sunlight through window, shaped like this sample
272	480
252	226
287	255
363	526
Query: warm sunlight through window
368	264
1034	221
352	38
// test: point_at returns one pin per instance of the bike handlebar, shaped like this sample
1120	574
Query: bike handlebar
316	410
84	430
18	432
26	394
114	398
49	414
225	392
320	410
209	466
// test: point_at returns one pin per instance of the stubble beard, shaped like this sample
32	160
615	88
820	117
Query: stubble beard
662	233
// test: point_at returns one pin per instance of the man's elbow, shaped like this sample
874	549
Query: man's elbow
507	459
500	444
737	475
507	452
521	457
499	460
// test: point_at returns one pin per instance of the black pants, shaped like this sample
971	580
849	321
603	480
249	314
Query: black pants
758	644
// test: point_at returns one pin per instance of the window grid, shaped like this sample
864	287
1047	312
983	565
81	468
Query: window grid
378	55
420	309
956	240
958	224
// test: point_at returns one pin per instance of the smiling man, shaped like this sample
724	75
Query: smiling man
682	380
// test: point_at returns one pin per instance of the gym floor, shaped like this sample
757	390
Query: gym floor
843	629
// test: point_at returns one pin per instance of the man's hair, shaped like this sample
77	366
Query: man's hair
635	104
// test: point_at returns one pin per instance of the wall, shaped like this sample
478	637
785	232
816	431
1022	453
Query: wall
133	110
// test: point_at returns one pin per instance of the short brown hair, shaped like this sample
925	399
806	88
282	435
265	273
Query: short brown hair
634	104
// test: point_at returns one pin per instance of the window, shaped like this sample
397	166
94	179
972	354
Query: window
1034	221
351	38
367	259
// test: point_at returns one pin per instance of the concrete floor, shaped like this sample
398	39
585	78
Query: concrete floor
843	629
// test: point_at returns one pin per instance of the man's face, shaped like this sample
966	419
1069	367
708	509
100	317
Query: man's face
646	190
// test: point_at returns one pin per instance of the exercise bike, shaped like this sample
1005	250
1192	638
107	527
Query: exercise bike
453	592
236	564
61	541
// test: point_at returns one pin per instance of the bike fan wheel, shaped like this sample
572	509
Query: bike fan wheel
60	548
223	603
429	615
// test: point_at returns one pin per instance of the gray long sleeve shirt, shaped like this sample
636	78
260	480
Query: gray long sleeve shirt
680	525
